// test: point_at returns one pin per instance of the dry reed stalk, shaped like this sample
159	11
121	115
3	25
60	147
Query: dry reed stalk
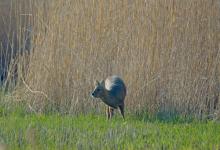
167	51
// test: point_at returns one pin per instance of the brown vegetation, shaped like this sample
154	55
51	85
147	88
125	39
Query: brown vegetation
167	51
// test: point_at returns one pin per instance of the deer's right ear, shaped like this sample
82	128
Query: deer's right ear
97	83
103	83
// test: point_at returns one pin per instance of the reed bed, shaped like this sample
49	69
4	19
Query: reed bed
167	51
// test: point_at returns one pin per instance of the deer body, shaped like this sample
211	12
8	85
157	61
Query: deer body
112	92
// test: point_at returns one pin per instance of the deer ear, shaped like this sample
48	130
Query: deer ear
103	83
96	83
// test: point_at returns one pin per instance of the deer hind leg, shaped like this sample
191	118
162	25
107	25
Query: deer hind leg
121	107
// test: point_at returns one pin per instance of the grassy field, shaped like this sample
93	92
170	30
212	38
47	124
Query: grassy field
20	130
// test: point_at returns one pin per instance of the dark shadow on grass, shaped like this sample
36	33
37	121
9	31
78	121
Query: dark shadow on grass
164	117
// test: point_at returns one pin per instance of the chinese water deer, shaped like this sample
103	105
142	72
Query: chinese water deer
112	92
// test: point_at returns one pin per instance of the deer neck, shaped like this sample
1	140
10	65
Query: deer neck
106	98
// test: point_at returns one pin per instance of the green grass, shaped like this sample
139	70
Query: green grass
19	130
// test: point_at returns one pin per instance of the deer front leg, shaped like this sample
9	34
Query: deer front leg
107	112
111	112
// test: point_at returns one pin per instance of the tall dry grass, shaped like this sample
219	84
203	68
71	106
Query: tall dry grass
167	51
15	22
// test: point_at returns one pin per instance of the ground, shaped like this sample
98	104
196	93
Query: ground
19	130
